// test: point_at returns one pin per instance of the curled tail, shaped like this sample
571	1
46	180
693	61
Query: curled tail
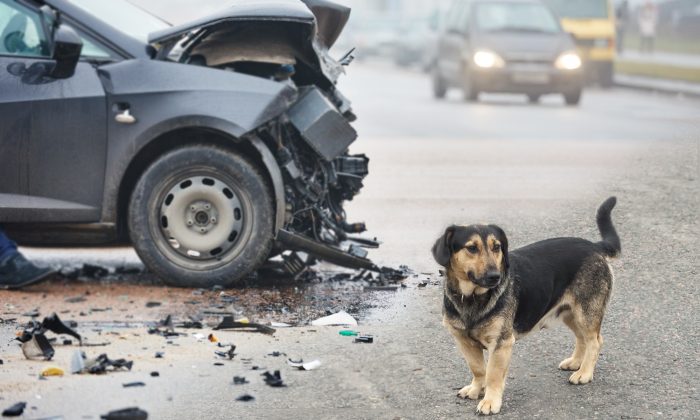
611	242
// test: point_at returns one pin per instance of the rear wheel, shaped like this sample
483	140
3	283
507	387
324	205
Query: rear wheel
573	98
201	216
533	98
471	93
439	84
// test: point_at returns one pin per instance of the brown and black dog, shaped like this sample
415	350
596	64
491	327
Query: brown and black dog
493	296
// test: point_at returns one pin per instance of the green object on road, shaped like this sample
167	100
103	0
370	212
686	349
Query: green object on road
348	333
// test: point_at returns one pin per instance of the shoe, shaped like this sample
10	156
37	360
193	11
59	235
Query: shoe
16	272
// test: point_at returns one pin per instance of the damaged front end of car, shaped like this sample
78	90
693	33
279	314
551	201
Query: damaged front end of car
288	42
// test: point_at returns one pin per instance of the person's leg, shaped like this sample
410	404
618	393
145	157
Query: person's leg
15	271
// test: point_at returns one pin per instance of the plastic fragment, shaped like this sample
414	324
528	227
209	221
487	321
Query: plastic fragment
348	333
339	318
274	379
155	374
131	413
52	371
365	339
227	323
245	398
315	364
239	380
77	362
229	354
15	410
133	384
37	347
212	338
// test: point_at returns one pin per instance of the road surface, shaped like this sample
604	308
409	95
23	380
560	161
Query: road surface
537	171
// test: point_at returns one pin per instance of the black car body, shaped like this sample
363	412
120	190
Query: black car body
515	46
233	120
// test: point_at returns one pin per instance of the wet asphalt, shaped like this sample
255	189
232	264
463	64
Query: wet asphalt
536	170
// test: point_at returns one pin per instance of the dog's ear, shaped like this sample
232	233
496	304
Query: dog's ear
503	239
442	250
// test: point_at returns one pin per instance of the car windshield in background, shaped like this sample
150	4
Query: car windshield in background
580	9
121	14
515	17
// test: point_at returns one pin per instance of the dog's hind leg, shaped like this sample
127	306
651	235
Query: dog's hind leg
574	362
589	327
474	356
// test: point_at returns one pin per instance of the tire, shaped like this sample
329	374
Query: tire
201	216
533	98
573	98
606	75
439	84
471	93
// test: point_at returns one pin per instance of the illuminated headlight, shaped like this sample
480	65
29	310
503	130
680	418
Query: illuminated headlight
488	60
568	61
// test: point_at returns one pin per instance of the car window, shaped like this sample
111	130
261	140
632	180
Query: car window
21	32
453	21
515	17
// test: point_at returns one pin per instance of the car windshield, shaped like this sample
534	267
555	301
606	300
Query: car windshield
580	9
515	17
125	16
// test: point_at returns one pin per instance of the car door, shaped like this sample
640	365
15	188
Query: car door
52	131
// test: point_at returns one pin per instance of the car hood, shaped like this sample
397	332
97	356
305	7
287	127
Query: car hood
524	45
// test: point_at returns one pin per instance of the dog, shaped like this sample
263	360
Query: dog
493	296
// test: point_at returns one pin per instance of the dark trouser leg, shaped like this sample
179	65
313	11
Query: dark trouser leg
7	247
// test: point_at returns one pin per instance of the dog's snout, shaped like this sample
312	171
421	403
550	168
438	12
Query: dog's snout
493	277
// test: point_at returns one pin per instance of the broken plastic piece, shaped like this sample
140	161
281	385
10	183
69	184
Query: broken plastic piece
77	362
15	411
101	363
340	318
365	339
315	364
131	413
280	325
37	347
348	333
54	324
229	354
159	354
155	374
133	384
227	323
52	371
152	304
274	379
212	338
239	380
276	354
245	398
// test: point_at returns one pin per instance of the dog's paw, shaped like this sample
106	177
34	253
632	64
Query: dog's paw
470	391
570	364
489	406
580	378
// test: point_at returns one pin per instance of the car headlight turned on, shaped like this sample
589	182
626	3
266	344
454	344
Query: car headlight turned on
568	61
487	60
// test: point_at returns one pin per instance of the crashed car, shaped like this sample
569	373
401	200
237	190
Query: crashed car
210	146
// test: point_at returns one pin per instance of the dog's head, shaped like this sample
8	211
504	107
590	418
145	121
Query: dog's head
476	254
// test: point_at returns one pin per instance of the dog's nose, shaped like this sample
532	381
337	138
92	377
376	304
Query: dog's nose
493	277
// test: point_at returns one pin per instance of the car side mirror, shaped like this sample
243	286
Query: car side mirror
67	47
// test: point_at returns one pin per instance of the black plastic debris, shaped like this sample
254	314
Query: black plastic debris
131	413
228	354
165	328
1	362
228	323
274	379
51	323
245	398
240	380
155	374
423	284
159	355
153	304
37	347
276	354
15	410
365	339
218	364
102	363
67	342
76	299
133	384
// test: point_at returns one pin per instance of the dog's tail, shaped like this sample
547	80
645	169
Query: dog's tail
611	242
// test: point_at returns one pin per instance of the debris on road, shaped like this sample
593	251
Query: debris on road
155	374
133	384
229	354
240	380
37	347
15	410
99	365
315	364
280	325
348	333
339	318
276	354
164	328
212	338
153	304
52	371
245	398
274	379
228	323
131	413
365	339
159	355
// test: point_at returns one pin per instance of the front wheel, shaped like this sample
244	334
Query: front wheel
573	98
439	84
201	216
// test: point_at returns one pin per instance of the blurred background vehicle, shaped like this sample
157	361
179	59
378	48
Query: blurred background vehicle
514	46
592	24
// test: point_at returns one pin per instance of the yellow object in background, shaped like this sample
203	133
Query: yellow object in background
52	371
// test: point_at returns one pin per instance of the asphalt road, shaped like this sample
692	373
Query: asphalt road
538	171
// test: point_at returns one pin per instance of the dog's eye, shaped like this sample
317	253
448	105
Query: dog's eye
496	247
472	248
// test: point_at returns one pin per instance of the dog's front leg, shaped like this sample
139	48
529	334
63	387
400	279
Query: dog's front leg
496	370
474	356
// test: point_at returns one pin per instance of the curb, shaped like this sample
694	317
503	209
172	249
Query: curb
661	86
